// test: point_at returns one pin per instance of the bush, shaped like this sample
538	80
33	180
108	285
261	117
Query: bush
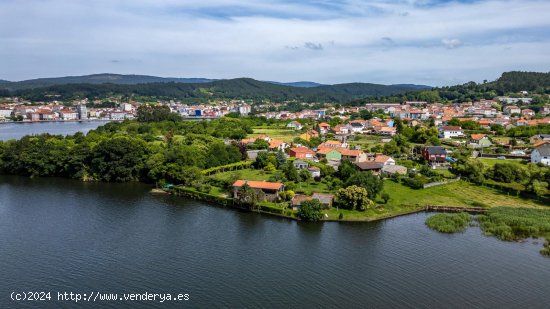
310	211
416	182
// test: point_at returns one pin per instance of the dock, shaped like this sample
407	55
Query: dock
470	210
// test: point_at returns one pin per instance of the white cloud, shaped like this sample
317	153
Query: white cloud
374	41
451	43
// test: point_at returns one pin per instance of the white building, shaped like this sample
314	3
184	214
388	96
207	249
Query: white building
541	154
451	131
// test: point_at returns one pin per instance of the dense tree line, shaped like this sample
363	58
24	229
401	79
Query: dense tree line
509	82
173	151
240	88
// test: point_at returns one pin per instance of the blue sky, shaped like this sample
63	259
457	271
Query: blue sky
381	41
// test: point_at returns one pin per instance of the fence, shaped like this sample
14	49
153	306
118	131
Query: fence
438	183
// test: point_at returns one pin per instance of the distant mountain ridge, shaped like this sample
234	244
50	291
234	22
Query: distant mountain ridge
300	84
122	79
238	88
133	79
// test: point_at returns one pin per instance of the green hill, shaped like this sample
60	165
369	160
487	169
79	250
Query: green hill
239	88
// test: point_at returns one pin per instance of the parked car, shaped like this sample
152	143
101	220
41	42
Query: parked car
501	158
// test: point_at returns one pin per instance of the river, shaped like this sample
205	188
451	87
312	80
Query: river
67	236
16	130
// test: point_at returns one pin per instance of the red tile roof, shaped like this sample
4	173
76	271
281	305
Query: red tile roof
302	150
259	184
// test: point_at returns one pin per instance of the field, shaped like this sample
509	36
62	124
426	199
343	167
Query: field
457	194
491	162
286	135
366	142
404	199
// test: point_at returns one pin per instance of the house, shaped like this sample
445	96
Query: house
299	164
67	114
480	141
357	126
385	160
451	131
394	169
309	134
332	144
46	115
385	130
314	171
353	155
276	145
266	190
116	116
541	154
527	112
341	129
302	153
298	199
369	166
324	198
511	109
294	125
329	154
324	128
33	116
539	138
248	141
434	155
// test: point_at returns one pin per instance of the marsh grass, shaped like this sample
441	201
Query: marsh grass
517	223
448	223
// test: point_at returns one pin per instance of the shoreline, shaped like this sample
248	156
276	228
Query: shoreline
229	203
55	121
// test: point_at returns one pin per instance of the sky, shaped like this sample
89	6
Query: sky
430	42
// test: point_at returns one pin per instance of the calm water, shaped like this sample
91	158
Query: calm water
62	235
18	130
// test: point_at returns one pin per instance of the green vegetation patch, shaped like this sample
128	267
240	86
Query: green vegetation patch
448	223
517	223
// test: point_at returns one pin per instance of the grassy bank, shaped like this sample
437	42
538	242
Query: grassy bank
459	194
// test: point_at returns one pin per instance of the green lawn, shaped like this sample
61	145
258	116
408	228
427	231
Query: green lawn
247	174
286	135
460	194
402	198
490	162
366	142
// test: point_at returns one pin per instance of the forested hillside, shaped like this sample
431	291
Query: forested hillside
240	88
508	83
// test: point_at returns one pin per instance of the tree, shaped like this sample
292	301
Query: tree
305	175
540	188
346	170
269	167
259	144
354	198
281	158
386	197
185	175
310	211
290	172
118	159
507	172
367	180
247	196
153	113
473	170
220	154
